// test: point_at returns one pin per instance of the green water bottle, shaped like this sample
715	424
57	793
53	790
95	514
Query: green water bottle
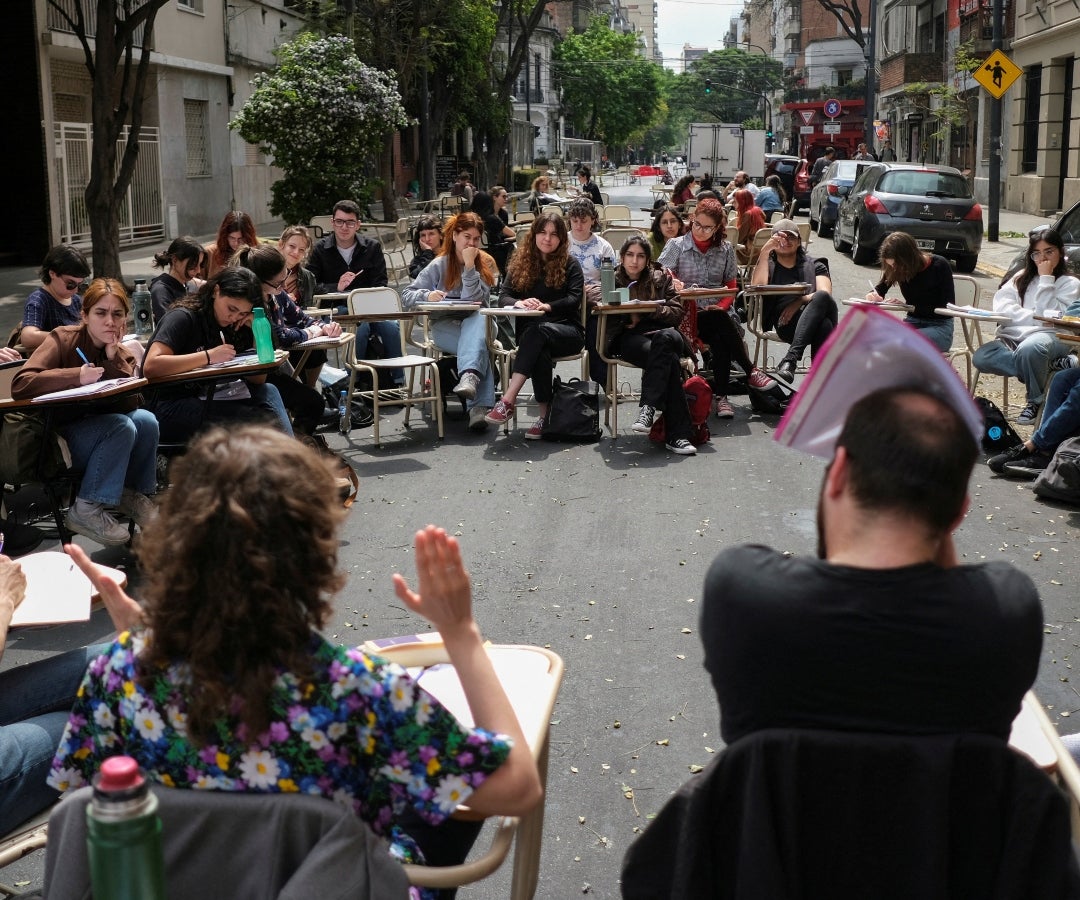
264	344
123	838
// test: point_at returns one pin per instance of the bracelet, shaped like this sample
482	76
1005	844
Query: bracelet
207	352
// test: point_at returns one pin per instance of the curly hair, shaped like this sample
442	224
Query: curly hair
485	264
714	209
233	221
907	259
527	265
583	208
102	287
240	563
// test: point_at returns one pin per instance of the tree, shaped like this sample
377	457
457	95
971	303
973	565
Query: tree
118	96
725	86
947	104
609	91
323	115
849	15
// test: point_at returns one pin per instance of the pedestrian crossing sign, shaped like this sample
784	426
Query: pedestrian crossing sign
997	73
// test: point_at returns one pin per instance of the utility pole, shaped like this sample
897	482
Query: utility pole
995	135
870	79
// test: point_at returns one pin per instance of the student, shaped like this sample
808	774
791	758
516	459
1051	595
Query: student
235	231
295	245
57	301
586	186
113	442
183	262
426	244
666	225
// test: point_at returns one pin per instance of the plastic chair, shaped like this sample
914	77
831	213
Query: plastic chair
617	214
387	300
321	225
617	236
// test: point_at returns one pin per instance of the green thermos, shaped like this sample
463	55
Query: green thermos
264	344
123	838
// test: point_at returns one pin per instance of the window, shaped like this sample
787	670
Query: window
1029	152
843	76
196	129
192	5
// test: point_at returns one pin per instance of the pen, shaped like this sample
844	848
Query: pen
222	333
1	542
82	356
873	287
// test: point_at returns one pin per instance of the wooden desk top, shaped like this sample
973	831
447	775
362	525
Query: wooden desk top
1072	323
633	306
693	293
510	311
781	289
341	340
56	590
213	373
125	386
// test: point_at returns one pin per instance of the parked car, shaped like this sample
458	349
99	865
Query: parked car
825	197
933	204
1068	226
801	194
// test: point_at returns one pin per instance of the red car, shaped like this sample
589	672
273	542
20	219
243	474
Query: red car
794	174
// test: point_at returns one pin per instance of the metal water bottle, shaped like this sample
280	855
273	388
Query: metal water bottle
264	344
344	425
141	309
123	838
607	280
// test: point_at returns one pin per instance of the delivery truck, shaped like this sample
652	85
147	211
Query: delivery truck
722	149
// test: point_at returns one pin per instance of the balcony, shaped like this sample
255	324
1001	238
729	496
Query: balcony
56	21
854	90
536	95
908	68
977	24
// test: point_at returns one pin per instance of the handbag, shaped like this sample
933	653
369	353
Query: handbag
24	454
574	412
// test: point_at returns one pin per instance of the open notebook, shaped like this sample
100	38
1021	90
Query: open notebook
56	591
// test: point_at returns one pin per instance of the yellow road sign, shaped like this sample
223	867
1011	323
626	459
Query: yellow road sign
997	73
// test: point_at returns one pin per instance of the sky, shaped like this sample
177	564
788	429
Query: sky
699	23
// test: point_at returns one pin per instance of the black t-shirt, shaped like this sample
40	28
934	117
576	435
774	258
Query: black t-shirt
802	643
163	291
797	274
930	289
186	330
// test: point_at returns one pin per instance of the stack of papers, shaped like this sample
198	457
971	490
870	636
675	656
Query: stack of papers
972	310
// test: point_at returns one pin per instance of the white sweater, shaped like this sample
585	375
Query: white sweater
1043	293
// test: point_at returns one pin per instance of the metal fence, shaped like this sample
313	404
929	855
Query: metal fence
142	216
57	22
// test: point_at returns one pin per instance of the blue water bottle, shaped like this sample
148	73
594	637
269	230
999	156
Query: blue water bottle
344	424
264	344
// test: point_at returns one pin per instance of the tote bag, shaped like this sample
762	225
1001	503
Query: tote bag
574	413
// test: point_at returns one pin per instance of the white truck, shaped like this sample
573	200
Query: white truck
722	149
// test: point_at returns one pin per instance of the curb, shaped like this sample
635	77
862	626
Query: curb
990	270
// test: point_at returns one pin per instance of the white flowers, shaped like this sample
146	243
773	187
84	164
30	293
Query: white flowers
259	769
402	693
149	724
450	792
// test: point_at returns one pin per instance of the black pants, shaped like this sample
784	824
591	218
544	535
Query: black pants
658	353
539	343
811	325
717	329
597	367
304	404
316	359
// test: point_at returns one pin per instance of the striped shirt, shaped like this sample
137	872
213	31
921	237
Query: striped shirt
715	268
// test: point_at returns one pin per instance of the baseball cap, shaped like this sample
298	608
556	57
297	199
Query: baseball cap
786	226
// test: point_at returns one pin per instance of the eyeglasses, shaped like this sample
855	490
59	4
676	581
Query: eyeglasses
703	229
348	224
1036	255
276	285
72	285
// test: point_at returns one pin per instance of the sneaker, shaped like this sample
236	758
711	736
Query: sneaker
501	413
645	419
758	379
997	463
1028	414
724	410
137	507
92	520
1064	362
536	432
467	385
1030	464
682	447
477	419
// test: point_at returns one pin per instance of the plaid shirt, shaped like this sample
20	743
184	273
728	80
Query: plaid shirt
715	268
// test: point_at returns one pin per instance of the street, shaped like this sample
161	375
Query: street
599	551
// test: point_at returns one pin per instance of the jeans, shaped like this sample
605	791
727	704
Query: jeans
938	331
538	344
1061	418
35	700
811	326
658	354
717	329
467	339
182	417
391	338
114	450
1030	361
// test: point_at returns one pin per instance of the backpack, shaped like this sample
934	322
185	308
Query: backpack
998	435
1061	479
699	398
773	400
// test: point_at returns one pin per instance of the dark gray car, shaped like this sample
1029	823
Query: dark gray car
1068	226
825	197
933	204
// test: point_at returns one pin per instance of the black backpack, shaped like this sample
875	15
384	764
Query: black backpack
1061	479
998	435
773	400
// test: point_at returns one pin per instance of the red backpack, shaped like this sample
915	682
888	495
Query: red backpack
699	399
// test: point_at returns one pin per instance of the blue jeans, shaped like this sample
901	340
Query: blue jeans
182	417
467	339
938	331
391	338
1030	361
35	700
115	451
1061	418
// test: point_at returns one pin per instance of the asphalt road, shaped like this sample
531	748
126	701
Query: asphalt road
599	552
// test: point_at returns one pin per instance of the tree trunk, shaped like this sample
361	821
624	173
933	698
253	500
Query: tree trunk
386	172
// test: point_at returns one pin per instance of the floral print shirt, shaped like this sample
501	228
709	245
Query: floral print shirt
361	733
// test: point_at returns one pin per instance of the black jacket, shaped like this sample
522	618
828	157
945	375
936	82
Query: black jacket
328	265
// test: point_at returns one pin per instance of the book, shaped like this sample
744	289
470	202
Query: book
869	350
85	390
972	310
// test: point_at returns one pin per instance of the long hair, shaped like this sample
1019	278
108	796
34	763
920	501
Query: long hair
907	259
233	281
714	209
265	260
485	265
482	204
297	231
777	185
102	287
182	249
223	595
1031	270
233	221
647	288
744	200
658	214
681	185
527	266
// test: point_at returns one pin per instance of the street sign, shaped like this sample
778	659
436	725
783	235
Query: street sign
832	108
806	129
831	128
807	116
997	73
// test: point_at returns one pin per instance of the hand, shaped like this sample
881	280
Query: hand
12	584
436	296
88	374
331	329
1046	266
9	354
124	612
788	313
345	280
445	597
221	353
677	284
875	297
468	256
111	347
529	303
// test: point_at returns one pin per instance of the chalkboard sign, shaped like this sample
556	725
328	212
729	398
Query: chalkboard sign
446	172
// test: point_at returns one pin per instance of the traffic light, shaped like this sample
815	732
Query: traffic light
708	85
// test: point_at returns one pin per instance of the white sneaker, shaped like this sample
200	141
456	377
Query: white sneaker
467	385
478	419
137	507
92	520
682	447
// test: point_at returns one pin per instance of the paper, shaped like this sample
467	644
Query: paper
84	390
870	350
972	310
317	342
56	591
242	359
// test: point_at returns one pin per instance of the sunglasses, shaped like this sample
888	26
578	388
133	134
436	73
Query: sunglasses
72	285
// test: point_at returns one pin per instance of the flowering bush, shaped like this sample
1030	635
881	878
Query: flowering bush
322	115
